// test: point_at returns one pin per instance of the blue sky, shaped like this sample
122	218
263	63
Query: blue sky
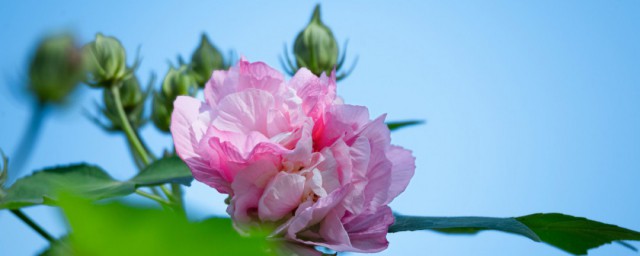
530	106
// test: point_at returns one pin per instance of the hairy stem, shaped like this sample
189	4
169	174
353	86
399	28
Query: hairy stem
33	225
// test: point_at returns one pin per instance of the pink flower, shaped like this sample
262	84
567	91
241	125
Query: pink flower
291	154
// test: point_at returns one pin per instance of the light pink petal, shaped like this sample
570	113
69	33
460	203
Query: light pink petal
340	121
296	249
404	165
333	232
244	112
309	216
302	144
379	170
368	232
187	129
259	75
317	93
214	89
248	187
282	195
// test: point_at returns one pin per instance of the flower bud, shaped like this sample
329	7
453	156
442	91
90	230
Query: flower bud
177	82
106	61
55	69
132	98
316	49
205	60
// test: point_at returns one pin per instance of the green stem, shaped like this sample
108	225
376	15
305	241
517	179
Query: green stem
33	225
177	194
167	193
144	145
128	130
136	157
153	197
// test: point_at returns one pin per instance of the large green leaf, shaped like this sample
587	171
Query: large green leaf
83	179
574	235
118	229
461	225
165	170
397	125
89	181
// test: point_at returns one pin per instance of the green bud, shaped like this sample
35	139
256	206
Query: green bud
55	69
132	98
106	61
177	82
316	49
205	59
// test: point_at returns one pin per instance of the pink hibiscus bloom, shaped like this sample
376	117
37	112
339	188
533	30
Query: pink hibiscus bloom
291	154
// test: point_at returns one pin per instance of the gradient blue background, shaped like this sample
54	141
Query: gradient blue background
531	107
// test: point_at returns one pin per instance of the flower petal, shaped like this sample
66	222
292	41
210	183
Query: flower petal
282	195
187	128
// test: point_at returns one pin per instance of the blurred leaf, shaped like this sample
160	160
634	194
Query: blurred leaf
3	172
166	170
461	225
575	235
118	229
397	125
571	234
42	186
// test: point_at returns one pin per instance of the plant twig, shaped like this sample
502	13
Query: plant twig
32	225
128	130
154	198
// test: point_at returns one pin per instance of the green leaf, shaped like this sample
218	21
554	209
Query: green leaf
42	187
397	125
576	235
571	234
464	225
118	229
165	170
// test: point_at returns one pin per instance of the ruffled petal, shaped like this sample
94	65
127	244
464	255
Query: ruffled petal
404	165
282	195
187	129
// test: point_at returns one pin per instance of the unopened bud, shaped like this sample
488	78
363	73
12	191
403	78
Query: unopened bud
316	49
177	82
106	61
205	59
55	69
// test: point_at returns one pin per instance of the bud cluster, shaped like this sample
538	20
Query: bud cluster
132	98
